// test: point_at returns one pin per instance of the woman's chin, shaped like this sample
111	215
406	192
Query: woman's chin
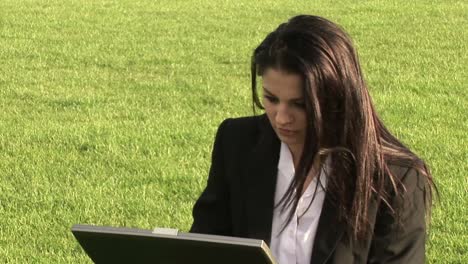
289	140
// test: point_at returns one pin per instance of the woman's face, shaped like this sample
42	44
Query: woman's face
283	100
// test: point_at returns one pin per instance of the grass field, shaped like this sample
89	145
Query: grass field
109	108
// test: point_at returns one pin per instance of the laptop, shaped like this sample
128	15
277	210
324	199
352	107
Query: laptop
167	246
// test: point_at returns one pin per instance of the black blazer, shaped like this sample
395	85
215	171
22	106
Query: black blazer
239	199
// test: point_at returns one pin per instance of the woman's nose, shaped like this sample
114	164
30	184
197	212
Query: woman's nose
283	115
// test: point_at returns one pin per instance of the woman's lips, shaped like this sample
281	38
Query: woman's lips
286	132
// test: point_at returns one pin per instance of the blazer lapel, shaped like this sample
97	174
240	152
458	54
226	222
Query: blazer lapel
329	232
260	182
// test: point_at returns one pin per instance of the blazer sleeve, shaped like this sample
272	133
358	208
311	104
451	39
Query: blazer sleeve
211	213
402	240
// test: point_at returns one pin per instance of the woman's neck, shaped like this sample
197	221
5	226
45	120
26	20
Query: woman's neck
296	152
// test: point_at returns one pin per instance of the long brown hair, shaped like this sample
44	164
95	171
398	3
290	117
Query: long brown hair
342	123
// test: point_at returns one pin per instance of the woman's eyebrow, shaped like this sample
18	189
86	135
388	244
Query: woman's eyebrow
268	92
300	99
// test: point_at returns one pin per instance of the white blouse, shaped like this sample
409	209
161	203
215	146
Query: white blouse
294	245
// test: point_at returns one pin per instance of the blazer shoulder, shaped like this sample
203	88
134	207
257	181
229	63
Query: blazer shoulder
246	122
242	134
409	177
243	127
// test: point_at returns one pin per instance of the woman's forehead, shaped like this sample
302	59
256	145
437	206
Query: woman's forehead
278	81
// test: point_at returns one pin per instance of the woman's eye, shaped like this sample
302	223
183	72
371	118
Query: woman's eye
271	99
299	104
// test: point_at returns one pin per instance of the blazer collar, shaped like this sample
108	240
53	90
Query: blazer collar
260	182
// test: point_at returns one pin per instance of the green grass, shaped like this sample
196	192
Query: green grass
109	108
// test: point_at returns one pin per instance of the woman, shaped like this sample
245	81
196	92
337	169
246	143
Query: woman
318	176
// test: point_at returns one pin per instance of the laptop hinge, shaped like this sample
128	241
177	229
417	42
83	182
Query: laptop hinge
165	231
